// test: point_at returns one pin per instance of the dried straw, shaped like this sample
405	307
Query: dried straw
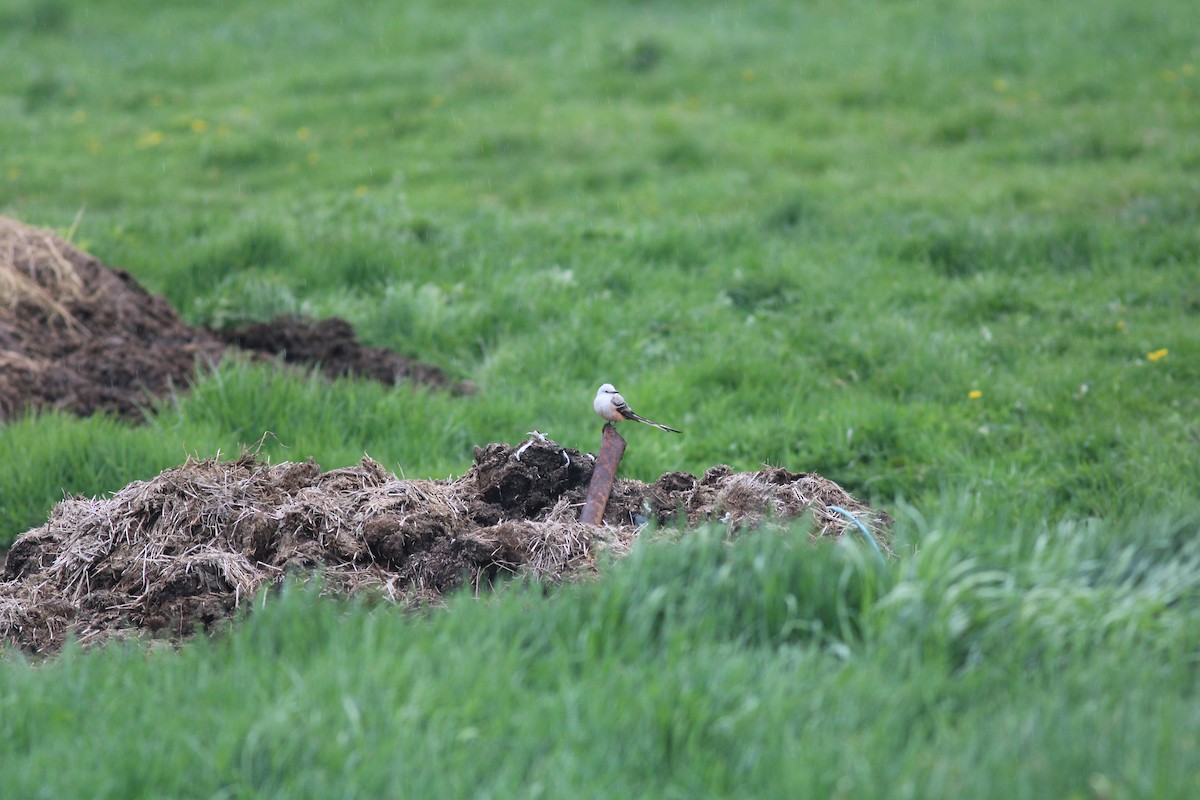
35	273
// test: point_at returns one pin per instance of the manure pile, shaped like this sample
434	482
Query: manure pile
188	547
81	337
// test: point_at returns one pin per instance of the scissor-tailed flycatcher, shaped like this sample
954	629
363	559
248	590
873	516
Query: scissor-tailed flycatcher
610	405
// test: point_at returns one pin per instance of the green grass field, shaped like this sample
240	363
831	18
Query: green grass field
946	254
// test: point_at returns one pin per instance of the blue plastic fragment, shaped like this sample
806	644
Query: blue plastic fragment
862	528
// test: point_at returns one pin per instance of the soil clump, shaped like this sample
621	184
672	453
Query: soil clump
332	345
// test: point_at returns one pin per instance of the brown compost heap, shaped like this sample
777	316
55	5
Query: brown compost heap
187	548
81	337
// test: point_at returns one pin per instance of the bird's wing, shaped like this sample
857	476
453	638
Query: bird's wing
623	408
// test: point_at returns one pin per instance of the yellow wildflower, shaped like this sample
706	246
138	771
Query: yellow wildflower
151	139
1157	355
198	125
974	394
303	134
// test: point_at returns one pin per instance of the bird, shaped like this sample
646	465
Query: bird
611	406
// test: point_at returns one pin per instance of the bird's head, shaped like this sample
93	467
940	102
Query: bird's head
607	389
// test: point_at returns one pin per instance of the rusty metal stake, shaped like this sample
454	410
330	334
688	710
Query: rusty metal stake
612	447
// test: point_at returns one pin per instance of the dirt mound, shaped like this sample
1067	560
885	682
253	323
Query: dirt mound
78	336
186	548
332	344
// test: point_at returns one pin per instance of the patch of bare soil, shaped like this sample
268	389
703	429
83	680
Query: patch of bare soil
332	344
81	337
187	548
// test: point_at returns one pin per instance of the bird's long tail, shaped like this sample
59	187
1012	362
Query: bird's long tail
655	424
